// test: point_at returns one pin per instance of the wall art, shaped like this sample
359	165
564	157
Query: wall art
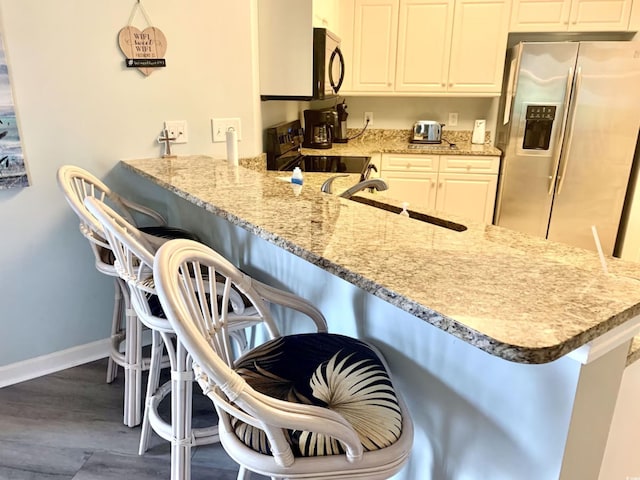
13	170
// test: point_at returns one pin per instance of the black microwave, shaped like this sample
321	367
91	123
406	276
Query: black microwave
328	64
296	76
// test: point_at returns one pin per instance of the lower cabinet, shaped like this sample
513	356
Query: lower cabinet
453	184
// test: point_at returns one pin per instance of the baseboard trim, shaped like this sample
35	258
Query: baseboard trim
53	362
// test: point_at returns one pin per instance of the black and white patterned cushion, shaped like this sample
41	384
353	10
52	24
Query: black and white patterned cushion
327	370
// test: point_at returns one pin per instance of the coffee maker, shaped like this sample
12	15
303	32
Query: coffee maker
319	128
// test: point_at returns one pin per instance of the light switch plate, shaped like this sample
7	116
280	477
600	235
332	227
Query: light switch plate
219	127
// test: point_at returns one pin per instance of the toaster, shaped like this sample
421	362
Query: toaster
427	131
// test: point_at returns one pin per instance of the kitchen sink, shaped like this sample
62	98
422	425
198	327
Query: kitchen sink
423	217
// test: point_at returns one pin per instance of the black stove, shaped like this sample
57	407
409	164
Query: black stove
283	145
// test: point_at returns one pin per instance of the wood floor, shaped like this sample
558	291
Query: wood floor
68	425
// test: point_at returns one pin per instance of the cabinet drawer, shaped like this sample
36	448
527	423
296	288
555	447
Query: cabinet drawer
469	164
414	163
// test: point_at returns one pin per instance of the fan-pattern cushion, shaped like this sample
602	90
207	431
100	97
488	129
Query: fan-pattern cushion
327	370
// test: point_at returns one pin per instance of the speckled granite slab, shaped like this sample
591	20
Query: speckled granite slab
517	297
397	141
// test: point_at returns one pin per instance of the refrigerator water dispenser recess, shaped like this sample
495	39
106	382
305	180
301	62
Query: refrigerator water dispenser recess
538	127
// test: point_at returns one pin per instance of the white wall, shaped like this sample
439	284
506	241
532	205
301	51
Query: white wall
78	104
401	112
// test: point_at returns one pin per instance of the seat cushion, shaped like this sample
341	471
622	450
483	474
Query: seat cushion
163	231
106	254
326	370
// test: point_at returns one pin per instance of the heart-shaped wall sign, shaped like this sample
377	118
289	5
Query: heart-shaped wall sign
148	44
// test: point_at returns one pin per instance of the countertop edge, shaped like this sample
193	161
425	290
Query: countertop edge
506	351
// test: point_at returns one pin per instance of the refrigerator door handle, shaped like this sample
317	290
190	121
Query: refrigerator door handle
574	106
563	127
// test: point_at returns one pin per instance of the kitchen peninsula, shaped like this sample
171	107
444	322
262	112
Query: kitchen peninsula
508	349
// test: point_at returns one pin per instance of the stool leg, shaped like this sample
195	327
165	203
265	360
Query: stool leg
112	367
153	382
243	473
181	398
133	366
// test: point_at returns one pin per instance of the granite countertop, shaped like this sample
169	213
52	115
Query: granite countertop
515	296
397	141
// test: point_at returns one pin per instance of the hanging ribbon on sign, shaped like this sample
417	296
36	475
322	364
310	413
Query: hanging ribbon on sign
143	49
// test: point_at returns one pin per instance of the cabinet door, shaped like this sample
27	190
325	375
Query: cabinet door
540	15
468	195
416	188
375	35
478	46
325	15
634	21
424	45
599	15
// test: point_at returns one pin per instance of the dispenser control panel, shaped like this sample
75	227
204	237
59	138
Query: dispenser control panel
538	127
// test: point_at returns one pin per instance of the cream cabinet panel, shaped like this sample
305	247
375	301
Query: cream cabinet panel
375	36
424	45
325	15
570	15
469	164
468	195
463	185
478	46
602	15
416	188
413	163
540	15
634	21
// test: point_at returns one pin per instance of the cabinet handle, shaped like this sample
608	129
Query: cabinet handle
440	185
468	167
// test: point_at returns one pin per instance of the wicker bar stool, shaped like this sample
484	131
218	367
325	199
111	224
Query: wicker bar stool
134	263
312	406
126	331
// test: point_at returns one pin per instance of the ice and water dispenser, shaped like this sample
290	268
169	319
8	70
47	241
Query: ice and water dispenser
538	127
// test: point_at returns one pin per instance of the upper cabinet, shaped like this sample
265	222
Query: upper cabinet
478	46
570	15
634	21
424	45
375	38
427	46
326	15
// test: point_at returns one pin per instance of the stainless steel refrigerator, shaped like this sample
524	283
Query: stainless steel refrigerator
568	126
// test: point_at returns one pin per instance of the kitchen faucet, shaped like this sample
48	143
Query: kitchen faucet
376	183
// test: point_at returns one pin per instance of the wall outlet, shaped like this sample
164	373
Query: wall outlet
368	117
177	129
453	120
219	127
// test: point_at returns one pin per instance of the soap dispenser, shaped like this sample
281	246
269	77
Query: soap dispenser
404	212
297	176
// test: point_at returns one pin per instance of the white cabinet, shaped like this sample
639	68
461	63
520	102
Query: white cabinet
570	15
454	184
411	178
326	15
375	35
478	46
424	45
634	20
427	46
